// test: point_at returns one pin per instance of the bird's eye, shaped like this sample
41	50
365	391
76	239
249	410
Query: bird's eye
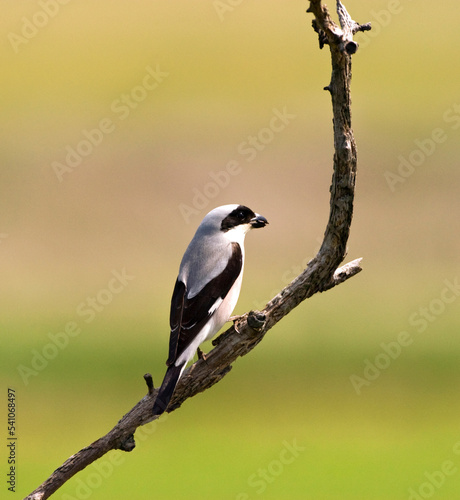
241	215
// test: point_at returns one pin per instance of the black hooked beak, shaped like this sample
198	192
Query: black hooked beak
258	221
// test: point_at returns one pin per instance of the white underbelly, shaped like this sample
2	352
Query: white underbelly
215	323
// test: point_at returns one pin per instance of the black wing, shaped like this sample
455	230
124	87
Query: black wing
188	316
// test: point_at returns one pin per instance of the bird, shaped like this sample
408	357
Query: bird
206	289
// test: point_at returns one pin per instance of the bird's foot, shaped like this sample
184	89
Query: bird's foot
200	354
235	320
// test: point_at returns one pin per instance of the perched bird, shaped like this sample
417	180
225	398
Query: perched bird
207	288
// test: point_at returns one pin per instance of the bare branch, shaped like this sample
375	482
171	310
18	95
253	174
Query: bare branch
322	273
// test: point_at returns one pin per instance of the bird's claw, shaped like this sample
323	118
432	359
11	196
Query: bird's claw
200	354
235	320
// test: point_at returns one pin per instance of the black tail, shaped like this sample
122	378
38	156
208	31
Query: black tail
167	388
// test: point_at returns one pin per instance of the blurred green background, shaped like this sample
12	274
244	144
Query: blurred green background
287	422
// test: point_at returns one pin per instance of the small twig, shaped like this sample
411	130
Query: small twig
149	381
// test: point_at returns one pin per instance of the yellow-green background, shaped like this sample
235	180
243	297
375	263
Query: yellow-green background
120	209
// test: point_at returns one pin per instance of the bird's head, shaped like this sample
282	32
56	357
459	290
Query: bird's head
237	217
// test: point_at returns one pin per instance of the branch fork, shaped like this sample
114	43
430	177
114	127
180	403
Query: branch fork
331	34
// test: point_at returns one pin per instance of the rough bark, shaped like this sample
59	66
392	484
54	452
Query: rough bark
322	273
